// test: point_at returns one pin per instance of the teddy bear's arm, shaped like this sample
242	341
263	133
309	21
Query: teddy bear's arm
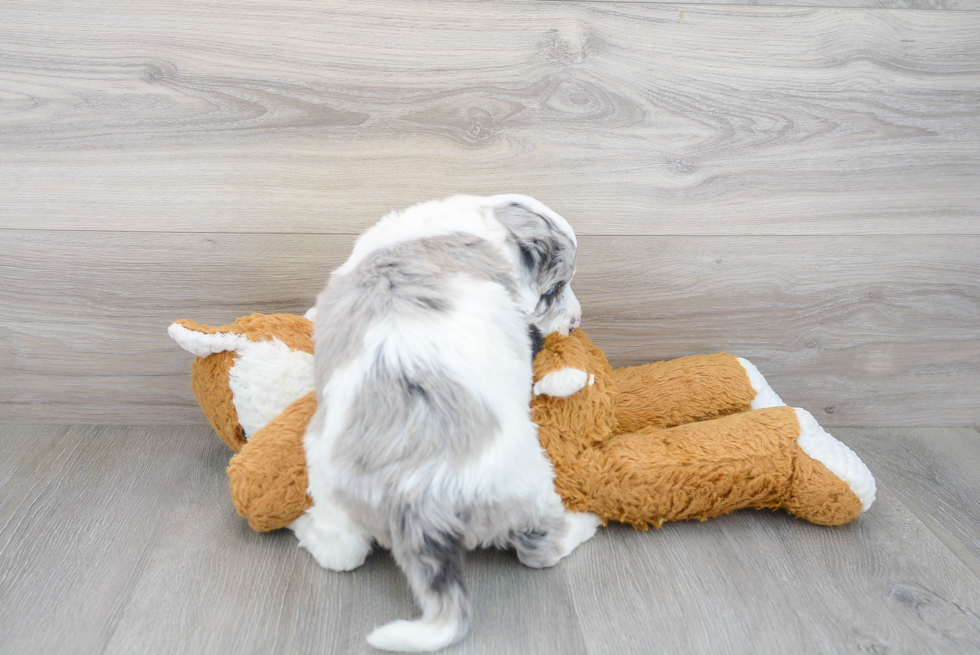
268	477
561	383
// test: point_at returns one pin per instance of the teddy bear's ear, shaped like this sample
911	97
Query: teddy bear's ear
204	340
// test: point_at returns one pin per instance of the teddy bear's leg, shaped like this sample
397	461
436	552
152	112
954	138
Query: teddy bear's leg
681	391
750	459
693	471
831	484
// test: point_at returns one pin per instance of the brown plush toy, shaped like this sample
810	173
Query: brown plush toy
688	438
694	437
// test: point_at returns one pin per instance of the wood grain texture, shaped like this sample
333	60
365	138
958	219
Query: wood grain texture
277	116
934	472
80	510
860	331
761	582
123	540
939	5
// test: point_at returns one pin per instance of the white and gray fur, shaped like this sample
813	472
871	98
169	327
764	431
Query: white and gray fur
422	437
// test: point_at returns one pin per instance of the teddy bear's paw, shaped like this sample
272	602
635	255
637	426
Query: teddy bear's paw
561	383
581	528
836	457
764	394
332	548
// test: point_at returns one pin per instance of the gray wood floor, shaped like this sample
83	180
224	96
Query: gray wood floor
123	540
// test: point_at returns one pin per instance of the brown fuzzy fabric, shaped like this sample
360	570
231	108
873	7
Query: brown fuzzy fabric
294	331
268	477
209	381
209	375
674	440
679	391
646	444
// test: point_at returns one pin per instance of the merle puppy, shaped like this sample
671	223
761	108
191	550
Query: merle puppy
422	440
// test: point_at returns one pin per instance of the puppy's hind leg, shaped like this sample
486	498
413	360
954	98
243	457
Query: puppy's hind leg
581	528
554	538
433	563
336	542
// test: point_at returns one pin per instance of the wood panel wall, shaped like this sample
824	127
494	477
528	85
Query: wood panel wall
796	185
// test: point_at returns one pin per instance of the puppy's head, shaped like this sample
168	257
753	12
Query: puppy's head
544	247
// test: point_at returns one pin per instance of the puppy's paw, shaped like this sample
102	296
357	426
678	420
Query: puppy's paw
581	528
561	383
334	549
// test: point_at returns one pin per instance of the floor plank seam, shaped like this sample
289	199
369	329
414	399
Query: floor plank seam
116	621
145	560
574	602
942	535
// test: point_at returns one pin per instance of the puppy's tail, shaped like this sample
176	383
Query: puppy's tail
433	564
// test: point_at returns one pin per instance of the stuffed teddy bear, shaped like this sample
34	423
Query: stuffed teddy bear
693	437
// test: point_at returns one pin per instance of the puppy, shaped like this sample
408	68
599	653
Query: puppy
422	440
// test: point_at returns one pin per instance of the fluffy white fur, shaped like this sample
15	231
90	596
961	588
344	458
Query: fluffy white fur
472	214
327	531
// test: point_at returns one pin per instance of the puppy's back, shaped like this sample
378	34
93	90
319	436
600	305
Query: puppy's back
417	351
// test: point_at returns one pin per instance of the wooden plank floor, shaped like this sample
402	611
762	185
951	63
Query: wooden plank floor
123	540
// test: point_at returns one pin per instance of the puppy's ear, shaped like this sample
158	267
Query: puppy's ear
545	248
530	233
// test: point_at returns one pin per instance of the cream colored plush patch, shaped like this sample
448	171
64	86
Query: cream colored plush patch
562	383
266	378
764	395
203	344
837	457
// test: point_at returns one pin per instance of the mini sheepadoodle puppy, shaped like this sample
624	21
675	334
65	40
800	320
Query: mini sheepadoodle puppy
422	440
